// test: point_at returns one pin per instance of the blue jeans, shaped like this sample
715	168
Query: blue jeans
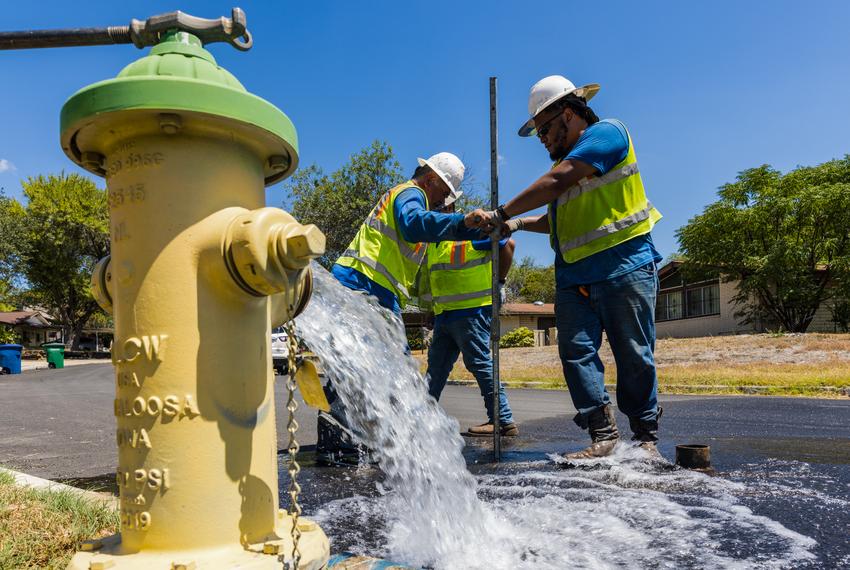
470	336
623	307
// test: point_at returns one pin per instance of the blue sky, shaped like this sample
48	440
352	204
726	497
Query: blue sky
706	89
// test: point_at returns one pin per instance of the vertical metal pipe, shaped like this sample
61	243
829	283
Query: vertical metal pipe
494	324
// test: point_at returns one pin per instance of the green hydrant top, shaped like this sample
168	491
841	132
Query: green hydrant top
180	75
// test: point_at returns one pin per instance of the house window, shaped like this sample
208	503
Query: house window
703	300
669	306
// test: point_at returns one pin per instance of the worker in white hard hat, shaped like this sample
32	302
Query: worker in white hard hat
599	221
384	257
455	284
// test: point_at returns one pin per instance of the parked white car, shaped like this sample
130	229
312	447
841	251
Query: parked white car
280	352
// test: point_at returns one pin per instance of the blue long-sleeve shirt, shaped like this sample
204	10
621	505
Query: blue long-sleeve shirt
416	224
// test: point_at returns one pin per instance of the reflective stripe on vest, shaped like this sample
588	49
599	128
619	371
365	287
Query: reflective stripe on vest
442	299
385	229
465	265
459	276
380	252
608	229
586	185
601	212
377	266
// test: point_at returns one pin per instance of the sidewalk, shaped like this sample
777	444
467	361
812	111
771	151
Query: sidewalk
30	365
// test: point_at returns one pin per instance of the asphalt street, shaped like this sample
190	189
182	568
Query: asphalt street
792	455
59	424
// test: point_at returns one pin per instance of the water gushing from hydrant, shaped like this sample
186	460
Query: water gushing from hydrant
615	512
417	446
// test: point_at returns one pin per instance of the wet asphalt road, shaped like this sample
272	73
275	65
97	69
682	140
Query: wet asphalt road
794	453
59	424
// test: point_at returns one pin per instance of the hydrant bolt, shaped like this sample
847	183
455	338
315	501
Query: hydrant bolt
170	123
92	160
279	163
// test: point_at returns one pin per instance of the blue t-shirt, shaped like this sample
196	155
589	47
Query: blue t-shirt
603	145
416	224
455	314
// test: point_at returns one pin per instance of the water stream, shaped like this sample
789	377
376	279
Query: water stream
428	510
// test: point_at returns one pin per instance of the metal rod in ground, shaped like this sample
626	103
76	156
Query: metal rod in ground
494	240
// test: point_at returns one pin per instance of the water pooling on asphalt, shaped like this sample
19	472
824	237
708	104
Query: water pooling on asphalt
430	511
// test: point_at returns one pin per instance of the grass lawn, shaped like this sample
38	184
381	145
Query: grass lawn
815	365
43	529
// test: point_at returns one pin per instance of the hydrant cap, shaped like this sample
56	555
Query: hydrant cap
180	75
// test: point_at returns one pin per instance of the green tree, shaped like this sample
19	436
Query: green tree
338	203
473	194
10	230
528	282
784	238
8	335
61	232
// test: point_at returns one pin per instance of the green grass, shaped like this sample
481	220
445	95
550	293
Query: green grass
43	529
815	365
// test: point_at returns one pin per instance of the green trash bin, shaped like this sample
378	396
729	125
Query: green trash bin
55	354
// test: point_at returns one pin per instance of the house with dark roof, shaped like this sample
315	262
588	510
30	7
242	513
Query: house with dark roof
705	308
539	317
32	327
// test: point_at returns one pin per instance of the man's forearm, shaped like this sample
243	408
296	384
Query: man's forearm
506	258
548	187
538	224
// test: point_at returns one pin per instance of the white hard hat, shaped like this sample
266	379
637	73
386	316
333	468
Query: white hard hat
453	197
547	91
448	167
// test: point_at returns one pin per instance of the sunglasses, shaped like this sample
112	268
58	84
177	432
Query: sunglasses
544	129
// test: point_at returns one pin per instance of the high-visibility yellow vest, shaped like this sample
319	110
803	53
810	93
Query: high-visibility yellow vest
460	276
380	253
601	212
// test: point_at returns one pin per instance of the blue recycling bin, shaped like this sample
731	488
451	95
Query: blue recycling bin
10	358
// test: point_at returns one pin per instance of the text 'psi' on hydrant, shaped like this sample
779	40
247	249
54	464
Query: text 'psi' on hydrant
199	272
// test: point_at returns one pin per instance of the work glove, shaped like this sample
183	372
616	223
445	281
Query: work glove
511	226
503	295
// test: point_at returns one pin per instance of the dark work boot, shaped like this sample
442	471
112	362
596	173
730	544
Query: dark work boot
336	444
646	432
603	433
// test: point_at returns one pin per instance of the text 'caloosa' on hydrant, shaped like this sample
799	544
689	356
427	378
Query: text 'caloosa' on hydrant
199	272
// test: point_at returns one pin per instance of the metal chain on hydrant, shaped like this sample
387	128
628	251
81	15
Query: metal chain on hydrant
293	447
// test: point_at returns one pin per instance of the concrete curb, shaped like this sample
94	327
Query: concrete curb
35	365
32	482
694	389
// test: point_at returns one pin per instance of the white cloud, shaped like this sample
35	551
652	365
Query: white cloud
6	166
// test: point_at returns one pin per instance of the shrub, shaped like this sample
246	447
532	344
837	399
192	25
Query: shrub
415	340
523	336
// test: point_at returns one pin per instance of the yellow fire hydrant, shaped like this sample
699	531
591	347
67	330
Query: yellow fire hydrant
199	272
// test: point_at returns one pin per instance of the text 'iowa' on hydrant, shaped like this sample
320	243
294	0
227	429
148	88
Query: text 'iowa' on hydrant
199	272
